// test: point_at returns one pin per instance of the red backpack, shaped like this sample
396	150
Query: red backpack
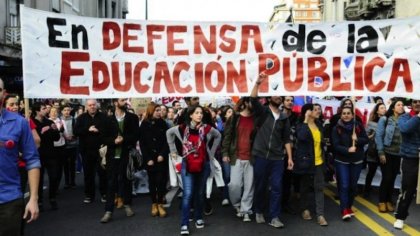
194	149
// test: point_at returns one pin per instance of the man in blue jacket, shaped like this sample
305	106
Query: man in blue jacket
409	125
15	137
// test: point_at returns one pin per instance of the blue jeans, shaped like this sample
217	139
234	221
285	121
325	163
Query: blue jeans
348	175
268	170
194	186
226	178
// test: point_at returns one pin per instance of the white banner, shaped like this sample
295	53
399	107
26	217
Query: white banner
66	56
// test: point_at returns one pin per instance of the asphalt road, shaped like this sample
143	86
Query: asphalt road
76	218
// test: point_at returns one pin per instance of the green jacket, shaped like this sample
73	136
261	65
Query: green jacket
230	140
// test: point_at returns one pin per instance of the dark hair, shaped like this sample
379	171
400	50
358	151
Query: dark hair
7	97
283	98
224	111
240	105
375	99
351	109
190	111
306	107
374	114
174	102
321	116
391	107
36	107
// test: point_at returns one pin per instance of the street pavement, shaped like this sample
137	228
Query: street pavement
77	218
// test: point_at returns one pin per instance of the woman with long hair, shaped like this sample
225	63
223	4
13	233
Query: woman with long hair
348	140
191	140
309	161
372	156
388	141
154	148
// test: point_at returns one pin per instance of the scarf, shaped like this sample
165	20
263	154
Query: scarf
346	125
188	146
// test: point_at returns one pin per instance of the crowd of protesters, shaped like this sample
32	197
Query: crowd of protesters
258	153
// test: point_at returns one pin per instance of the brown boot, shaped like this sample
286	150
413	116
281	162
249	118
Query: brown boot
155	210
162	212
382	207
390	206
119	203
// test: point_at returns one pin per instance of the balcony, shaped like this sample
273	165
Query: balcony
12	36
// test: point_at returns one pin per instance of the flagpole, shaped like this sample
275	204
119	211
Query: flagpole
353	100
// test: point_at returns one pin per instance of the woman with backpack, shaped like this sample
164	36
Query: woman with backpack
191	141
372	157
154	148
388	141
348	140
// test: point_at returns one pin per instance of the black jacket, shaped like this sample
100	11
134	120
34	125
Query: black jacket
130	134
87	139
153	142
46	149
304	158
342	141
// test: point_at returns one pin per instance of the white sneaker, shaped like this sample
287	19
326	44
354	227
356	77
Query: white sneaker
246	218
399	224
259	218
225	202
276	223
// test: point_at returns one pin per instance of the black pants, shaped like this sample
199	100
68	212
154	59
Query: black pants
389	172
11	217
410	171
372	167
69	165
91	166
116	174
157	185
52	165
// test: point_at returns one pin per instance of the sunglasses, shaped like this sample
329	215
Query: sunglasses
346	113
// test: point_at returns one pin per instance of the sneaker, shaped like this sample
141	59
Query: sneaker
322	221
87	200
103	199
306	215
208	209
351	211
128	211
276	223
184	230
259	218
346	215
246	218
225	202
199	224
107	217
399	224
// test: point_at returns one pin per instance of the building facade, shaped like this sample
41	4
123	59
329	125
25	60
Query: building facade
10	40
303	11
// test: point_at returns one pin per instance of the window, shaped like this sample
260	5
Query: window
305	14
76	5
315	14
13	9
56	6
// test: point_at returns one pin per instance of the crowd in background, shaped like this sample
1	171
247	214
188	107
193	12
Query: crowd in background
260	148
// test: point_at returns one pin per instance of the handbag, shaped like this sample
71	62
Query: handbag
102	153
135	162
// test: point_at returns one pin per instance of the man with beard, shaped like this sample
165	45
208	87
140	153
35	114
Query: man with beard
89	127
271	138
120	134
15	137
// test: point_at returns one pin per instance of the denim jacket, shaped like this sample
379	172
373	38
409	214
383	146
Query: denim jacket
384	135
410	131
